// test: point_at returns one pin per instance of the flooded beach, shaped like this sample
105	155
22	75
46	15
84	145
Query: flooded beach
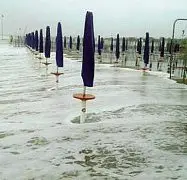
136	128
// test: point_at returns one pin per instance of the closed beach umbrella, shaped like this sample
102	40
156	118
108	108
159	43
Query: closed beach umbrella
41	50
78	43
64	41
33	41
70	42
59	47
36	40
162	47
117	47
111	45
152	46
99	45
47	43
139	46
102	43
123	44
146	50
88	62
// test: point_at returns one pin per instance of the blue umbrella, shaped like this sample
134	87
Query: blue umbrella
99	45
146	50
30	40
123	44
137	46
70	42
152	46
47	43
41	42
59	47
140	46
111	45
88	62
102	43
78	43
36	40
64	41
59	51
33	41
162	47
117	47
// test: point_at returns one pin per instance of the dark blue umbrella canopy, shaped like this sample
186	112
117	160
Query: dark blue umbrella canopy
78	43
123	44
70	42
112	45
36	40
117	47
41	50
152	46
64	41
59	47
99	45
33	41
47	43
139	46
88	62
162	47
102	43
30	40
146	50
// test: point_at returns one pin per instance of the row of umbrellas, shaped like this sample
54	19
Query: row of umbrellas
36	43
32	41
88	61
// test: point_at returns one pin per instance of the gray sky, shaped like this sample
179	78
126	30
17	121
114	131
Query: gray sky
127	17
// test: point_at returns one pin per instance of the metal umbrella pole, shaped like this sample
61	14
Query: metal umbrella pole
173	35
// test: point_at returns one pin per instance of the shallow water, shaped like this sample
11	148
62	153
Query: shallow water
136	128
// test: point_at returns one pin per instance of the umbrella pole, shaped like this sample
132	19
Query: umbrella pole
46	63
83	111
57	75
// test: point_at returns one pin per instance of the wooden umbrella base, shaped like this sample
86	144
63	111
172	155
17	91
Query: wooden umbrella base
83	97
144	69
46	63
57	73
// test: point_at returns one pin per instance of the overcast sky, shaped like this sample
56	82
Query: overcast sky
127	17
